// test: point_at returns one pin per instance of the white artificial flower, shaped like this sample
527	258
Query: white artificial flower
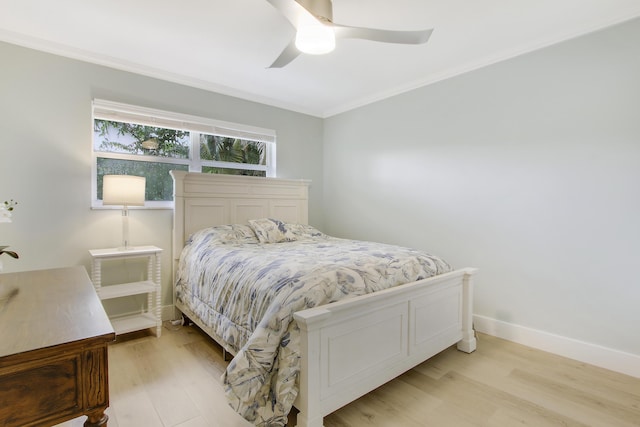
5	210
5	215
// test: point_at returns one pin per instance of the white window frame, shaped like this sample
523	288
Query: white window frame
115	111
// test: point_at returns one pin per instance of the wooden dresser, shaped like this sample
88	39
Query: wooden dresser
53	349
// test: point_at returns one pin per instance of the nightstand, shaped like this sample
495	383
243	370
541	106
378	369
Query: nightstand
150	318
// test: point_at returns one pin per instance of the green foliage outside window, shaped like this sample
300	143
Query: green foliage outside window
159	184
233	150
139	139
149	142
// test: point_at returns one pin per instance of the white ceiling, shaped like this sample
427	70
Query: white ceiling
226	45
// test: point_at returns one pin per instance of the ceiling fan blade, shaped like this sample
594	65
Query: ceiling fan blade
289	8
289	53
385	36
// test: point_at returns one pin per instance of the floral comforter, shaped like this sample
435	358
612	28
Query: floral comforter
246	281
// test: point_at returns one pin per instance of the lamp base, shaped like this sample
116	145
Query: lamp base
125	230
126	248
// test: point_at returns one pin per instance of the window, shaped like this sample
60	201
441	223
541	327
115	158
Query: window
140	141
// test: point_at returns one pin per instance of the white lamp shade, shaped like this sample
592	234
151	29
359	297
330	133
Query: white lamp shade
124	190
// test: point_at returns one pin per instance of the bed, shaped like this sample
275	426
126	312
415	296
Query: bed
343	349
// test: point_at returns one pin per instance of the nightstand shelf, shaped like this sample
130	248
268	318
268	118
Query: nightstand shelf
133	322
149	318
127	289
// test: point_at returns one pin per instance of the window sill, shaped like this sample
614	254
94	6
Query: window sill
149	205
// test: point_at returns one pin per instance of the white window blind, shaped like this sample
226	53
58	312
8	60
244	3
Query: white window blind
114	111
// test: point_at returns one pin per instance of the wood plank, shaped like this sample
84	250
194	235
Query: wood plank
158	370
130	402
502	384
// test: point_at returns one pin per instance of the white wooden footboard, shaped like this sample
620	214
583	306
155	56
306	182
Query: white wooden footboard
353	346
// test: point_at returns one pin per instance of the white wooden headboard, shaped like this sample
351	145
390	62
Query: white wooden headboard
202	200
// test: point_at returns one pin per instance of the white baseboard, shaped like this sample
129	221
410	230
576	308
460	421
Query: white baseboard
614	360
168	312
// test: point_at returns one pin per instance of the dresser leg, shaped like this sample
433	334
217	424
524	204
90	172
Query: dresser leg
96	419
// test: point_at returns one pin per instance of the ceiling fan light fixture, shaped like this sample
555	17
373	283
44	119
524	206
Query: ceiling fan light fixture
315	38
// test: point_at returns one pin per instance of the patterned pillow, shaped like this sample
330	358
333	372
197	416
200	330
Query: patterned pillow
225	234
268	230
301	232
242	234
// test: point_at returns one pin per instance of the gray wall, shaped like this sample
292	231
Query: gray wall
527	169
45	155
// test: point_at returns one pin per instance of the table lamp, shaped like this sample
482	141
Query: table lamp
124	190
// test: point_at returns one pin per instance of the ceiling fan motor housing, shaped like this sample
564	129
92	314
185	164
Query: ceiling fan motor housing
322	9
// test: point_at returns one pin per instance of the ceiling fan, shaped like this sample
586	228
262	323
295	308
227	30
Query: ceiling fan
316	33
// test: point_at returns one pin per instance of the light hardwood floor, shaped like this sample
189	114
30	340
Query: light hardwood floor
175	381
